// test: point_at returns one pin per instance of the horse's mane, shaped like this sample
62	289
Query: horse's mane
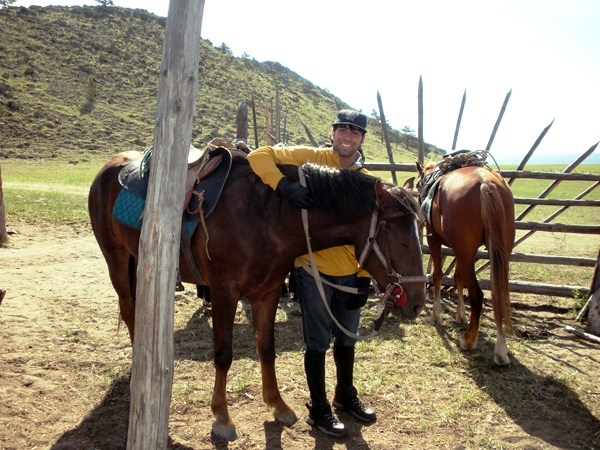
342	190
336	191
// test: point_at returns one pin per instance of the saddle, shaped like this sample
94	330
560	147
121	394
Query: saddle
450	162
207	171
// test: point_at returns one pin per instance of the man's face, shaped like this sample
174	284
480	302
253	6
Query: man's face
346	140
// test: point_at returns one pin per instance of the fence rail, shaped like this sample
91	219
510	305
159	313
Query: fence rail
524	286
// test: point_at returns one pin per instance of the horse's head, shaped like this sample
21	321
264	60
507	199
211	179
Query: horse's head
394	256
392	251
424	172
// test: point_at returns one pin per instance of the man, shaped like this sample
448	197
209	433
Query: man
337	265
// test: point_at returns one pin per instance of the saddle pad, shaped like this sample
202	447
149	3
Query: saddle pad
210	187
128	209
426	197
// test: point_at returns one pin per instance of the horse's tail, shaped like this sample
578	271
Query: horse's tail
497	221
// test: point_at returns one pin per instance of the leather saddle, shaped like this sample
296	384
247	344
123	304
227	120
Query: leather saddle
207	171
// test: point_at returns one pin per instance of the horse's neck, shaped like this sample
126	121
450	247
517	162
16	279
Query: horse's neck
326	230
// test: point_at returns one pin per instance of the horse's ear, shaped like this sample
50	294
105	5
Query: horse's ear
380	193
419	168
409	184
383	197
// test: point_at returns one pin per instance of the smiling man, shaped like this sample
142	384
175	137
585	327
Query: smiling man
337	265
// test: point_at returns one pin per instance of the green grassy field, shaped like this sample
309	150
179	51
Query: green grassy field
57	192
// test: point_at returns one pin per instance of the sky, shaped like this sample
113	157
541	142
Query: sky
544	52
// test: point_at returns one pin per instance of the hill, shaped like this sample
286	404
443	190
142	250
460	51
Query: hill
76	82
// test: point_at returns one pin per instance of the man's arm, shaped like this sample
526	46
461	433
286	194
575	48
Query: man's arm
264	161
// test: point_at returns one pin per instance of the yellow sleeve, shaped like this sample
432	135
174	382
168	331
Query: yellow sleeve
264	160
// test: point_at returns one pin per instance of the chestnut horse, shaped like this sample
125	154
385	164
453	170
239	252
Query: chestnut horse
249	243
472	206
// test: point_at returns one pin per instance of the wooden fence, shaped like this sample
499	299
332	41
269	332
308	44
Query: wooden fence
547	225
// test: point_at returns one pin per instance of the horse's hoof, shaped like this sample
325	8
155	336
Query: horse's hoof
464	345
501	360
435	320
224	431
287	419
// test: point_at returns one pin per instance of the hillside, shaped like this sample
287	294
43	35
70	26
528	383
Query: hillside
82	81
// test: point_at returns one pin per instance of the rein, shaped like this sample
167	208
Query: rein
394	294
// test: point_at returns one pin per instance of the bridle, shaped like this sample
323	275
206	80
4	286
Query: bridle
394	294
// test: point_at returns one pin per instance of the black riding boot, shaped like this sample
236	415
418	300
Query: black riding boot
346	397
320	414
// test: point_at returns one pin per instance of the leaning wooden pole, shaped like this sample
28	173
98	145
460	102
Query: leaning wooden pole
459	120
254	124
241	121
3	232
277	115
533	148
498	121
555	183
152	371
312	140
421	147
386	136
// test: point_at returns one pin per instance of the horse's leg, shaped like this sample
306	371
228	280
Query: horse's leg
263	314
435	249
500	349
460	304
467	273
121	269
223	315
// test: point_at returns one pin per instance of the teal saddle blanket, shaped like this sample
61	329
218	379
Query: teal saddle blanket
131	201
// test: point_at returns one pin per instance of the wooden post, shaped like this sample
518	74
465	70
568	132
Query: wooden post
593	303
152	371
309	134
459	120
277	116
3	232
242	121
521	166
386	136
498	120
421	147
254	124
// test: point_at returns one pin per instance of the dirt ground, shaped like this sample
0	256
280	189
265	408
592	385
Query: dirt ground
65	366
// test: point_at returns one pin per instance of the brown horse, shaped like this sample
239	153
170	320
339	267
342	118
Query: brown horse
253	237
472	206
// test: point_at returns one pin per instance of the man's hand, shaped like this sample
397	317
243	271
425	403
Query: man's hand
359	300
294	192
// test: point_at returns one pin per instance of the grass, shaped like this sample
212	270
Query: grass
412	371
50	191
